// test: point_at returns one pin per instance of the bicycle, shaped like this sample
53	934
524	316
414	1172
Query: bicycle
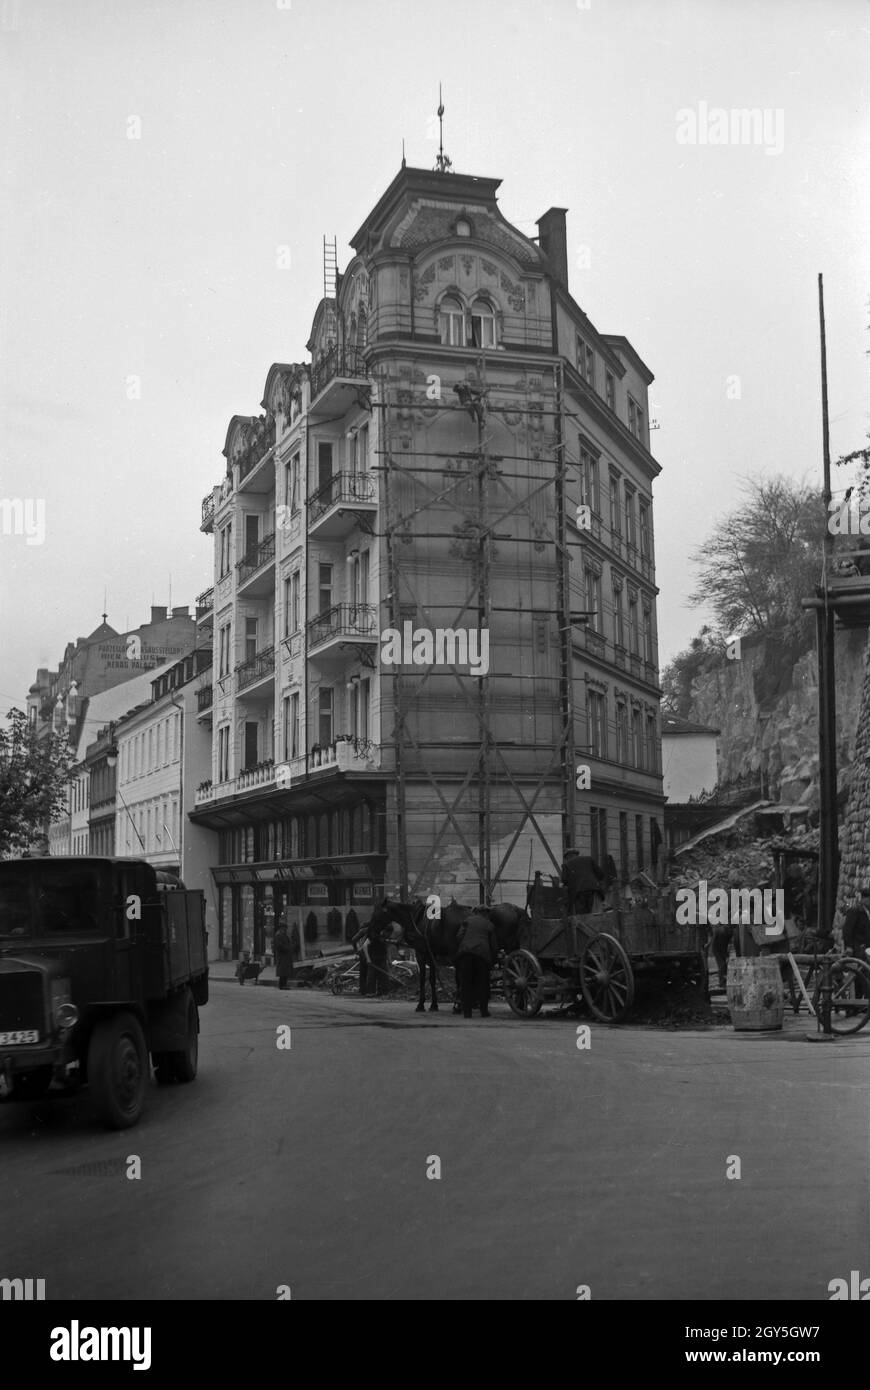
850	988
399	971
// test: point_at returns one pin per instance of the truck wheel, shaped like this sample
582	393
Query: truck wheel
118	1070
32	1085
184	1063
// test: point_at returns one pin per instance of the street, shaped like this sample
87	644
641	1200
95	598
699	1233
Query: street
307	1166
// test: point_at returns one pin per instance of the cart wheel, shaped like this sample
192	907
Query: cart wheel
850	997
523	984
606	978
337	987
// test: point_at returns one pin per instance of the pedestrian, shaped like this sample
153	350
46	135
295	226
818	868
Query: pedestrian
378	962
583	879
476	951
283	954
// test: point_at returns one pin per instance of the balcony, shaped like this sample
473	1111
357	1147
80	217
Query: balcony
205	605
256	675
204	699
346	753
335	379
346	500
204	793
261	445
343	625
207	523
256	570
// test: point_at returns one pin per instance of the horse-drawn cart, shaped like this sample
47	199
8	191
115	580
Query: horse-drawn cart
597	957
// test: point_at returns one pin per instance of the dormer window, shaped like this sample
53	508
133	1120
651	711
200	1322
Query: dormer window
463	227
451	323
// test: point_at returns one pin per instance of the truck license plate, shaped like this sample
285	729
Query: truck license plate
24	1035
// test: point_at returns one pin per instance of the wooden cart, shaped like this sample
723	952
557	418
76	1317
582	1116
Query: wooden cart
598	957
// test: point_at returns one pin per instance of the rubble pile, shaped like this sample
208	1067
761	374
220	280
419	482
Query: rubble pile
736	858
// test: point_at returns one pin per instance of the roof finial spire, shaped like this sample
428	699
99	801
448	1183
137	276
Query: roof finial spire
442	163
403	153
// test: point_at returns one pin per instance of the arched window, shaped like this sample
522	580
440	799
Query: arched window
451	323
351	331
482	325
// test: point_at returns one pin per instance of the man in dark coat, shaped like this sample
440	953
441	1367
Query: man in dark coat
476	951
283	955
856	935
583	879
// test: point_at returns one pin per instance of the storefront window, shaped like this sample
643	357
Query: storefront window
246	913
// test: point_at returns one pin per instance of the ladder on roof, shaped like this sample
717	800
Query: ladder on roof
330	268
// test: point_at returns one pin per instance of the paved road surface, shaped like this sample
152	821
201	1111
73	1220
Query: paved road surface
559	1167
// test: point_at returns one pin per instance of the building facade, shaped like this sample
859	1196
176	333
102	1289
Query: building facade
434	600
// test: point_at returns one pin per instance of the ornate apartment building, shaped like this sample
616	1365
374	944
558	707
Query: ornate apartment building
434	605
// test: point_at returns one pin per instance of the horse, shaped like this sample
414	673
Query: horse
434	939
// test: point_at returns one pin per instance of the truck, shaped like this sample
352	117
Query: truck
103	963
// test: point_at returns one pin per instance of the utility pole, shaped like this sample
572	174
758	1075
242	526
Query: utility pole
829	855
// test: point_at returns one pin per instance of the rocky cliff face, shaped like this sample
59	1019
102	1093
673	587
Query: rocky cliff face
766	705
855	833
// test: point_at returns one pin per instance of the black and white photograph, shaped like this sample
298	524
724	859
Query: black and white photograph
434	666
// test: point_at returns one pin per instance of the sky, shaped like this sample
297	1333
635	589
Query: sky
170	169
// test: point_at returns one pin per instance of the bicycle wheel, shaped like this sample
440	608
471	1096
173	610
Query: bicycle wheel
850	995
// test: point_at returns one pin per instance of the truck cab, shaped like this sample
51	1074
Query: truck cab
101	964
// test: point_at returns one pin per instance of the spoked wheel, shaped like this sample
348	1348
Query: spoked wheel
850	995
606	979
522	981
337	987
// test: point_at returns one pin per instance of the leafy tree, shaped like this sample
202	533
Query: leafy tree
762	559
34	777
704	653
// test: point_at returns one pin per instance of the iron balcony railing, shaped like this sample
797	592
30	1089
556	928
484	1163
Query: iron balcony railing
204	698
346	362
341	488
255	559
255	668
262	442
205	600
207	508
342	620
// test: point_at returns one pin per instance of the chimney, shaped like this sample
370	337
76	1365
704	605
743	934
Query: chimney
553	241
158	615
181	612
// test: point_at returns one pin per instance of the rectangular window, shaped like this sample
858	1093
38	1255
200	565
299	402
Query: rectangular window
294	725
643	525
615	513
637	738
647	635
291	484
618	616
250	638
589	480
226	549
635	419
652	743
324	716
593	599
252	535
324	591
364	448
621	733
585	361
623	845
632	624
596	715
224	650
610	390
324	464
251	745
352	452
598	834
630	518
224	753
638	841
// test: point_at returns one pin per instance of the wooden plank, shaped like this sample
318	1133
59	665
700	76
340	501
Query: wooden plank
800	982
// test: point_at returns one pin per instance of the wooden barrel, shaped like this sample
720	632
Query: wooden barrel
755	993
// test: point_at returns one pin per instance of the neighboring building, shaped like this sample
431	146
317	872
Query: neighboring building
163	753
70	834
465	455
690	764
102	661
